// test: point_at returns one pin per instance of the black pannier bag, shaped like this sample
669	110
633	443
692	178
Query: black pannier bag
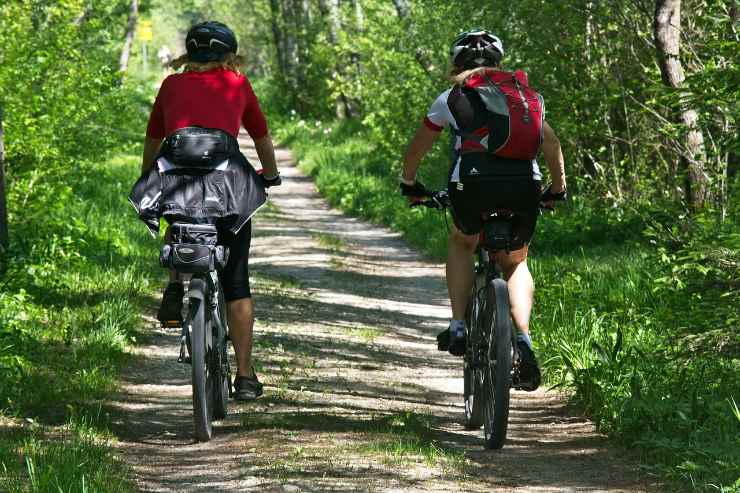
193	249
199	148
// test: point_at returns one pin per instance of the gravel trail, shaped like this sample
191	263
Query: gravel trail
356	396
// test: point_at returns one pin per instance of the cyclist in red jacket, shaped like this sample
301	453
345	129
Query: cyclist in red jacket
212	93
508	183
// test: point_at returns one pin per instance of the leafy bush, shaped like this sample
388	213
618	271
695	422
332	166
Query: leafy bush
76	275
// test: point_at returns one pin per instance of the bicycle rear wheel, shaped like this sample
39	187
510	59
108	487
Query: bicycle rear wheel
201	339
472	374
497	371
220	362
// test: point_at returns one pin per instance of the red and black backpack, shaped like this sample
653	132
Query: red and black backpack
499	114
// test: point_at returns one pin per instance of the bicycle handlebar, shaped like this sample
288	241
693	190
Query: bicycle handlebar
441	200
437	200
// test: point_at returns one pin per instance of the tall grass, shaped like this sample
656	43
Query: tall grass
77	460
649	354
76	278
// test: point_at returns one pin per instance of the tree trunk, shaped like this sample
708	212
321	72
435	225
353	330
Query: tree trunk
277	34
402	8
330	10
129	40
3	211
296	18
667	34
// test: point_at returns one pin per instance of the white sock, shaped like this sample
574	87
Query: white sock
457	328
524	337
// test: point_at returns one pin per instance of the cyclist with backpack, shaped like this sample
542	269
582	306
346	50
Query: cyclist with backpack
192	130
498	127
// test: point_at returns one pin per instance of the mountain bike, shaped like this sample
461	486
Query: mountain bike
491	360
205	331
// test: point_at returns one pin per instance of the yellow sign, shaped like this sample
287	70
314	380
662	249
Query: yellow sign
144	31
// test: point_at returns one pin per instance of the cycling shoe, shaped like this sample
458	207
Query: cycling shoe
528	370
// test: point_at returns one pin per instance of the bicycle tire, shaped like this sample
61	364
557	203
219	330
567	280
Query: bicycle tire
220	362
472	374
497	373
202	380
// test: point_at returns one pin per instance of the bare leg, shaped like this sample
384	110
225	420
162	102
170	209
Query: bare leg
241	322
460	248
520	284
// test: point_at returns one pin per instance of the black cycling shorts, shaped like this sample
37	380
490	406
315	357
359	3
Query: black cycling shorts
235	276
520	195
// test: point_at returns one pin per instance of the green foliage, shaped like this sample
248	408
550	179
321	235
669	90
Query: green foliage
75	276
58	82
74	279
78	460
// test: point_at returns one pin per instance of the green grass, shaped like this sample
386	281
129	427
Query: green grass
331	242
399	439
75	458
635	318
367	334
77	276
408	438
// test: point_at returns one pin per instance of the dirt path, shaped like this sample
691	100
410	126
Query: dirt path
357	397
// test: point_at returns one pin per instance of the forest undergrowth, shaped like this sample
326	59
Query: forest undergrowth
77	272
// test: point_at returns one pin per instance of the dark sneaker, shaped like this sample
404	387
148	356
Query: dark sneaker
247	388
529	370
457	345
445	342
171	308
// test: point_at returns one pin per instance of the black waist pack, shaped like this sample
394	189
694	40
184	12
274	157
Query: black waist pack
193	249
198	147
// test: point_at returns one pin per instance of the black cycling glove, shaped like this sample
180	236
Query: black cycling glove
271	182
549	196
415	190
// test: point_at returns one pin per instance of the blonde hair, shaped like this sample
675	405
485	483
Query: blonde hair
458	77
230	61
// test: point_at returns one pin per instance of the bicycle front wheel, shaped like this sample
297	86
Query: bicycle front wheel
201	339
497	371
472	373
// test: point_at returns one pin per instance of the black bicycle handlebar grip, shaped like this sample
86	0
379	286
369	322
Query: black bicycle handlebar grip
416	190
548	195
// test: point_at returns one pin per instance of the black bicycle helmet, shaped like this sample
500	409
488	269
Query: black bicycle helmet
476	48
210	42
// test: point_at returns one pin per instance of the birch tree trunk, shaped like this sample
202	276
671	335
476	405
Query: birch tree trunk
3	210
402	8
330	10
129	40
277	34
667	34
